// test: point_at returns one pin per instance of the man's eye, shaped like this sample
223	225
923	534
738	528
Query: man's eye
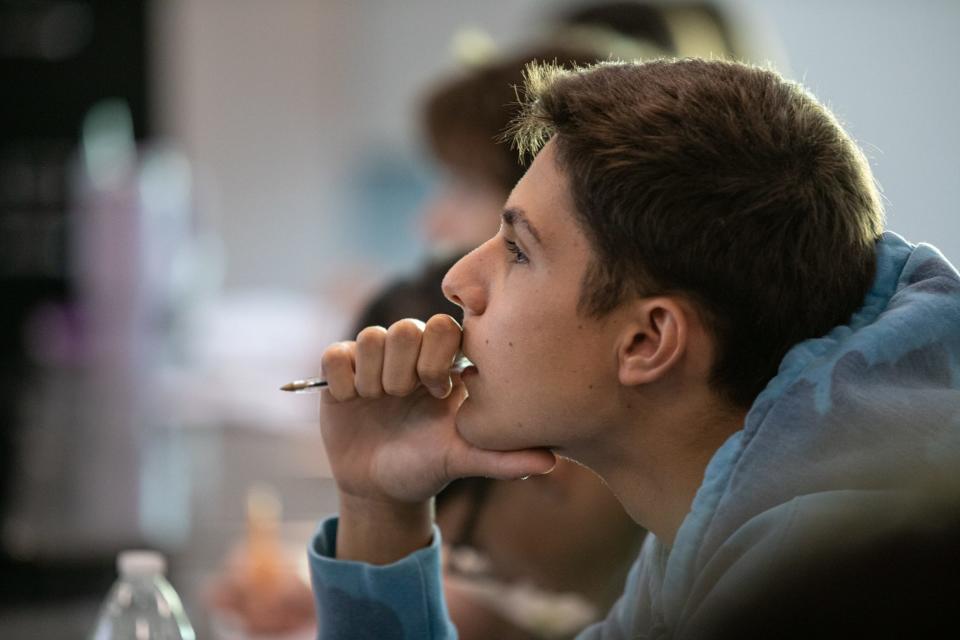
519	256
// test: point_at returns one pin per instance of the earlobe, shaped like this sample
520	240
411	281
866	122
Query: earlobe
653	343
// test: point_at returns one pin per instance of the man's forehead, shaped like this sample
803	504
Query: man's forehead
541	200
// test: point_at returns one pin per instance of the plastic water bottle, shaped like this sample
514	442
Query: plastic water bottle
142	605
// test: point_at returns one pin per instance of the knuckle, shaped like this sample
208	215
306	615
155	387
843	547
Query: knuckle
335	355
371	336
405	330
336	366
442	325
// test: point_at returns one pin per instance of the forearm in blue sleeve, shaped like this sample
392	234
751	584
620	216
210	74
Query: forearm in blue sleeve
394	601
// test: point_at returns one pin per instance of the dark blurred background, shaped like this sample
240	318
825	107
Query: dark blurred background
197	195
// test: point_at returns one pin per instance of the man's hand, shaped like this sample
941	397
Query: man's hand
387	419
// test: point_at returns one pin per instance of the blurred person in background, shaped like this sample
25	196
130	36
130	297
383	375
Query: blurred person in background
464	117
643	30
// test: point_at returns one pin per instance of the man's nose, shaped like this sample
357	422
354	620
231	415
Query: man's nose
463	285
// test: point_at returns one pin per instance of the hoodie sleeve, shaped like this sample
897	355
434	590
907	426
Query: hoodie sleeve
405	599
360	600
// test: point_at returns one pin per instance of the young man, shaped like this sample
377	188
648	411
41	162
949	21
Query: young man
691	295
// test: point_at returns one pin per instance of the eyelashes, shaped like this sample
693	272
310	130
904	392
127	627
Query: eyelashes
519	257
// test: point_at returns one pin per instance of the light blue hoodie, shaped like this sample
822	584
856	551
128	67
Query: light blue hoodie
850	428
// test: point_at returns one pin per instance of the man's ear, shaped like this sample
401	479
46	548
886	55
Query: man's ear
653	341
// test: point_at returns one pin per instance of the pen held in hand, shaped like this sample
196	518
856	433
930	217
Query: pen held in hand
313	385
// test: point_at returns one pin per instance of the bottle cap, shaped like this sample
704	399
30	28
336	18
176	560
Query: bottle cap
141	563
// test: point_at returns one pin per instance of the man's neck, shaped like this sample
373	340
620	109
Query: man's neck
658	459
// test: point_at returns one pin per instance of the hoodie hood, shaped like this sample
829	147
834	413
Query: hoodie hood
874	405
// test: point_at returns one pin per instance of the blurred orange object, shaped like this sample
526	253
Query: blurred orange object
260	590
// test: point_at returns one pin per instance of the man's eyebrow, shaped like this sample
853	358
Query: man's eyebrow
514	216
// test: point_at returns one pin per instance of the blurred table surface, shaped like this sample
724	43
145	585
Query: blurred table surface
190	502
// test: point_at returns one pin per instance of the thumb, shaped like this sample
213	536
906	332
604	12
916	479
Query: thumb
501	465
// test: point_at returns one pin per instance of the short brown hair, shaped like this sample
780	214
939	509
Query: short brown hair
719	181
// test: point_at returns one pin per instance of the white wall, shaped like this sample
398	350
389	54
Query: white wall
279	102
888	69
